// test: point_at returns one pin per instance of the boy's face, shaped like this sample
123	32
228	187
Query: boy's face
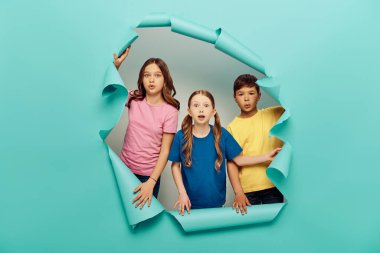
247	98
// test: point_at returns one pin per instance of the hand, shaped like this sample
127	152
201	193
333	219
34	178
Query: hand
271	155
145	193
183	202
240	203
119	60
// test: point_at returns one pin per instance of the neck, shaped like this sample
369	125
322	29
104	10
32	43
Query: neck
248	114
154	99
201	130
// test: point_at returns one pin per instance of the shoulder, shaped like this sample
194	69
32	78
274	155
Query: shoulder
233	123
225	133
273	110
237	123
135	96
169	109
229	143
179	134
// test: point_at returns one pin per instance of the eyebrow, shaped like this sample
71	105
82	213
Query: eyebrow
239	91
157	72
200	102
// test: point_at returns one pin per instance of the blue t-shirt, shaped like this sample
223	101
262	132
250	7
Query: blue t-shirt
205	187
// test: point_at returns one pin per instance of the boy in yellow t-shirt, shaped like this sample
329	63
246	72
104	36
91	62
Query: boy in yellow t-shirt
251	130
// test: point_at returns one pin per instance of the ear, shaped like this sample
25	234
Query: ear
188	112
259	96
213	114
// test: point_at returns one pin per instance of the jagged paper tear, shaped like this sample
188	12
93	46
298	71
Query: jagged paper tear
201	219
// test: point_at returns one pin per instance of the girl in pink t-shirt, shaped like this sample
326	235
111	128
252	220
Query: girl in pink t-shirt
153	119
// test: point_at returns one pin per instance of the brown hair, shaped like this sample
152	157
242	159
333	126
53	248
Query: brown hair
168	92
187	129
246	80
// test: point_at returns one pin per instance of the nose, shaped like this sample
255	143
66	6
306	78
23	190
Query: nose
150	78
246	97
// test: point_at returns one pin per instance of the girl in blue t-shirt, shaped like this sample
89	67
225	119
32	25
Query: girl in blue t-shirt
198	156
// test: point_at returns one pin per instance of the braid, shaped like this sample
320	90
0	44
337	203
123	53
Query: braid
217	129
187	129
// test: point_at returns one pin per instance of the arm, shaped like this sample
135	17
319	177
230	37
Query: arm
241	160
167	140
183	200
118	60
240	201
146	189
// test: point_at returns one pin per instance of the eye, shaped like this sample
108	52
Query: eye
195	105
252	93
240	94
146	75
157	75
207	105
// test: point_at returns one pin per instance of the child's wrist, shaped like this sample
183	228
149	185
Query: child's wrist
153	180
239	193
182	192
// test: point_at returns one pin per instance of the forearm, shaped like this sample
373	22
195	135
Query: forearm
233	175
241	160
167	140
160	165
177	176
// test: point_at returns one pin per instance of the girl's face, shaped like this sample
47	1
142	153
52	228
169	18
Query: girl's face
153	80
201	109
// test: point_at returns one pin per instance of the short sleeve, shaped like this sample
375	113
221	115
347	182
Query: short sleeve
233	148
171	123
277	111
175	150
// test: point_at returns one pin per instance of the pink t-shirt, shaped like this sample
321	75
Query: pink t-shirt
143	139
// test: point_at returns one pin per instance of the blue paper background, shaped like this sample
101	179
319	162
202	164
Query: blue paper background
57	191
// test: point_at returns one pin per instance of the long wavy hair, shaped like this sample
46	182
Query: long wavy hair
168	91
187	129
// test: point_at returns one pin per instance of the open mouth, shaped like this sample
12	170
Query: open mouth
201	117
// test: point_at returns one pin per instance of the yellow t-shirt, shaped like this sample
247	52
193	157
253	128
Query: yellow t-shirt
252	134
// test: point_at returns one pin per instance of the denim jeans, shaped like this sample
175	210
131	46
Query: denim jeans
267	196
156	187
